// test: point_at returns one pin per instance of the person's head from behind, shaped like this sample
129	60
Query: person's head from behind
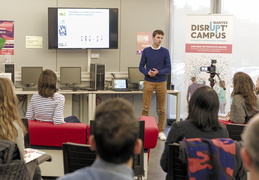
222	84
203	109
116	131
193	79
250	150
243	85
158	36
47	84
8	110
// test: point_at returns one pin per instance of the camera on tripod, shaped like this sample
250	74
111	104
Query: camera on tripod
210	69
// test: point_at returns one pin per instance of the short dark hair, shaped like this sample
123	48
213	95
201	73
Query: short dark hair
204	108
116	130
158	31
193	79
47	84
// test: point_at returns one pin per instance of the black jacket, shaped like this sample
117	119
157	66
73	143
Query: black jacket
12	165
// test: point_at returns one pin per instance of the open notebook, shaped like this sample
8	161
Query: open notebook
120	84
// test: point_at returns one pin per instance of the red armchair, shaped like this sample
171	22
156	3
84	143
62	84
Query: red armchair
151	132
48	134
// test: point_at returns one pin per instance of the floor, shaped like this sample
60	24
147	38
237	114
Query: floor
155	172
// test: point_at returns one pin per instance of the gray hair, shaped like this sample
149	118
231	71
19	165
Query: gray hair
250	137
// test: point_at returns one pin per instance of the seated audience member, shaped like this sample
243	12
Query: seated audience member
250	150
12	127
48	105
115	140
245	103
202	121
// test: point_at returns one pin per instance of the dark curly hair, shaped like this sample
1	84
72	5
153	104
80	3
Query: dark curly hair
244	86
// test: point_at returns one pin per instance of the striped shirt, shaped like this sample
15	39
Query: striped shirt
46	109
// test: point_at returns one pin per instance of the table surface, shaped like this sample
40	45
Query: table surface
20	91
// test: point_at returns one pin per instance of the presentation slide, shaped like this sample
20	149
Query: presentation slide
83	28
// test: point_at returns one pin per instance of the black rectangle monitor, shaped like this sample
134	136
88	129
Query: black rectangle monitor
135	75
70	75
30	75
83	28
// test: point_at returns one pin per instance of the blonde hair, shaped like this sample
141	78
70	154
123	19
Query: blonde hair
8	111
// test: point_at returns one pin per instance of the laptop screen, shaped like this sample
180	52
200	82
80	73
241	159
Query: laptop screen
119	84
141	85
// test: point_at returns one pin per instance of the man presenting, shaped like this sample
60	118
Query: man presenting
155	63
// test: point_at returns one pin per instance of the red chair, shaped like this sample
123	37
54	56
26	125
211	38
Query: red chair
151	132
47	134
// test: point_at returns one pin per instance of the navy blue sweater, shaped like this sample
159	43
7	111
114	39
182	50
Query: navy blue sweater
158	59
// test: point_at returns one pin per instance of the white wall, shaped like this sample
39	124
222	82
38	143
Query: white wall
30	19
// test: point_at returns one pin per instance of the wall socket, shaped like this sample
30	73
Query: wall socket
95	56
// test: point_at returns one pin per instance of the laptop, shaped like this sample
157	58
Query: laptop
141	85
120	84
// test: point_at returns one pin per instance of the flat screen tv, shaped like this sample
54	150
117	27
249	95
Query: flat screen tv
83	28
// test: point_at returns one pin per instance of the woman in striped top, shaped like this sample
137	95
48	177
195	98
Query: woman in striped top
48	105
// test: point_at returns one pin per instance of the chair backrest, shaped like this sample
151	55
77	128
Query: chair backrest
138	159
177	170
77	156
26	136
235	131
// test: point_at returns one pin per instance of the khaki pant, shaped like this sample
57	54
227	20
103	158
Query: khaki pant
160	88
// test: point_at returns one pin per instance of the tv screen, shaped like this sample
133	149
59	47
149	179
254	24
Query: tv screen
83	28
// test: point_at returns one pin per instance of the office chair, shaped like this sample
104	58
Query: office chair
177	170
26	136
235	131
138	159
31	166
77	156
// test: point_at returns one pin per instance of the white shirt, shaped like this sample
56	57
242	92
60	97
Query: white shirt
46	109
